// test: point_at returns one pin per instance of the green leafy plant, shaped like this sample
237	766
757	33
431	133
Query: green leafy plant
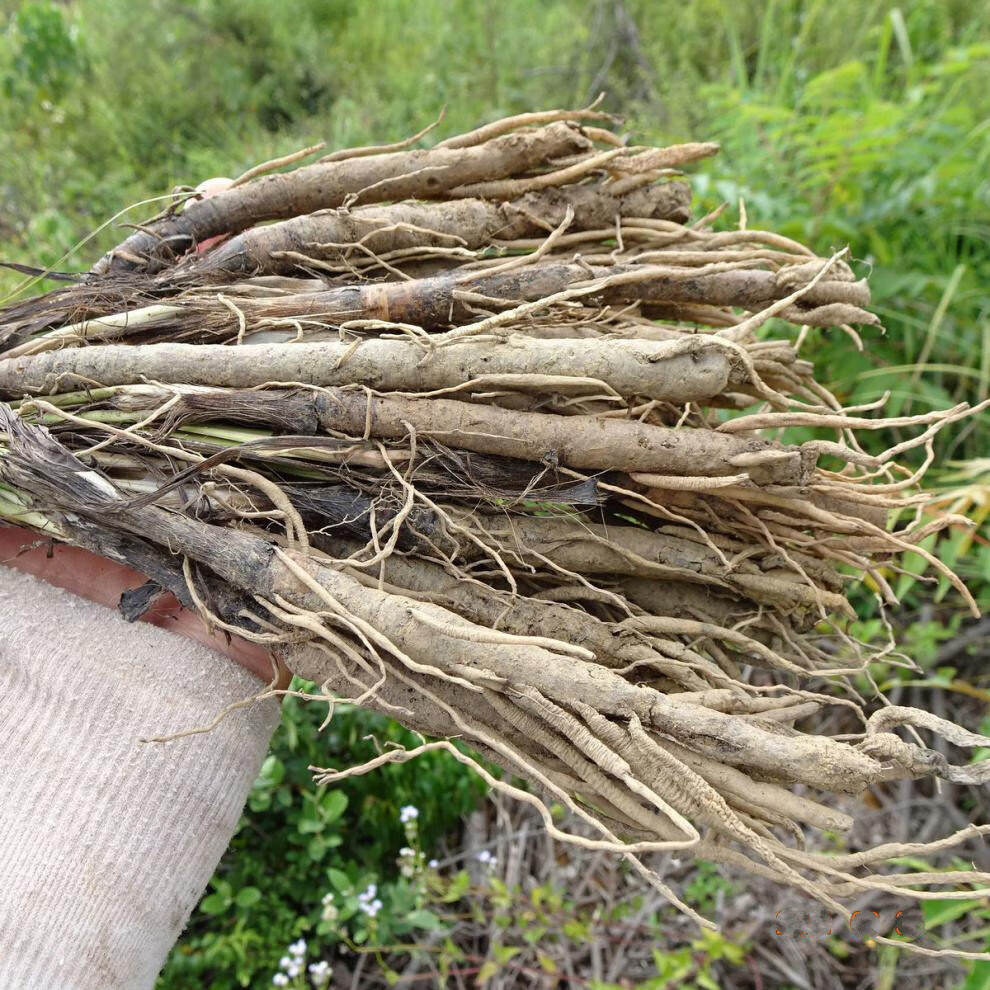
44	56
299	842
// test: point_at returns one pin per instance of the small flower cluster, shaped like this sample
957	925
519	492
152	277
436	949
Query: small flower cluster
368	902
410	862
57	113
486	859
319	974
330	911
291	965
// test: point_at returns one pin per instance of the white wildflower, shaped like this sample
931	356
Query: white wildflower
368	902
319	973
486	858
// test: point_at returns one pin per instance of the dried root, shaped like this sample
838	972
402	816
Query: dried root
450	436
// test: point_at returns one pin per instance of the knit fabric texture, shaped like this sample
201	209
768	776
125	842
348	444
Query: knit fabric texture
107	841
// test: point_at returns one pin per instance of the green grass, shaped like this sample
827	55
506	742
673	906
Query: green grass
845	122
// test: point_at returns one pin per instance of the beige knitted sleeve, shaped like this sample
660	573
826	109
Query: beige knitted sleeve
107	842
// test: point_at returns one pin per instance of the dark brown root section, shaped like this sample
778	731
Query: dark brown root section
417	174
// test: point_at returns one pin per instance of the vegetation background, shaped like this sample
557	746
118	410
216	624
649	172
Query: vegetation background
853	122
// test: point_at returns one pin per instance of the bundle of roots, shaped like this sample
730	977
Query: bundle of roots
484	436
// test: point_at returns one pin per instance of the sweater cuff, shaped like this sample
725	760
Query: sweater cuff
109	840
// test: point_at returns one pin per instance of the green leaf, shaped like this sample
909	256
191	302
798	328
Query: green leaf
339	880
501	895
548	964
213	904
272	772
247	896
459	884
422	918
939	912
913	566
333	806
487	971
978	978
